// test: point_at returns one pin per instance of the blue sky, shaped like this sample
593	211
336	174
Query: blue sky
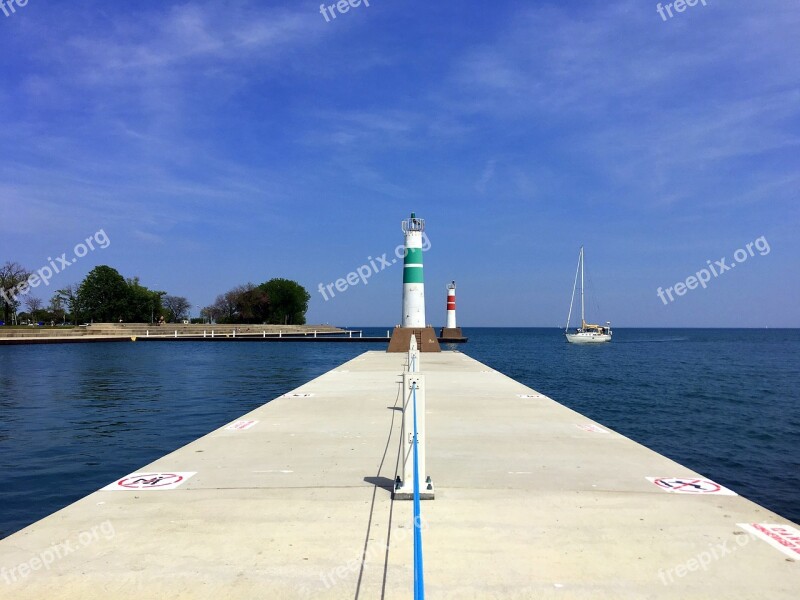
223	142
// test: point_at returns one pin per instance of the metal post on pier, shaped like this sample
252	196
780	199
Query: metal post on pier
204	333
176	333
413	446
413	356
212	333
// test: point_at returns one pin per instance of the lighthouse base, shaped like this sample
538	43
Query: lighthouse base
452	335
401	339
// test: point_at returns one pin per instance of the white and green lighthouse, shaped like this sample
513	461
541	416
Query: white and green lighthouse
413	280
412	323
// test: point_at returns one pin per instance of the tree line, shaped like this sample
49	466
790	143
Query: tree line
105	295
277	301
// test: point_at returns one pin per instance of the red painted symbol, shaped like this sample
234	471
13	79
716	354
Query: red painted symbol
690	485
241	425
151	480
592	428
783	537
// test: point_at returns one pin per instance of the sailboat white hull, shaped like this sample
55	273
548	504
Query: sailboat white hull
587	338
587	333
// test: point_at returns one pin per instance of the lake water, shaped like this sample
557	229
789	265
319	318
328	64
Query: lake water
75	417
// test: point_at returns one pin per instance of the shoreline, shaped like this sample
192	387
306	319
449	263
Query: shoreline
141	332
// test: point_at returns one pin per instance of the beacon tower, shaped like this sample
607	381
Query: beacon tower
451	305
451	332
412	322
413	280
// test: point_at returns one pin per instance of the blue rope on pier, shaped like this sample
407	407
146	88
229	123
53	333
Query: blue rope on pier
419	579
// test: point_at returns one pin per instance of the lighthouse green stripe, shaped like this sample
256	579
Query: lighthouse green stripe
413	256
412	274
412	270
412	266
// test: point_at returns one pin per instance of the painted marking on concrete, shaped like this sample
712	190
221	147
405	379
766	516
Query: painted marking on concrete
529	396
690	485
150	481
302	395
241	425
783	537
590	427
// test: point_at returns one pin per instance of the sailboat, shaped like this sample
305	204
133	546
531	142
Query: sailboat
587	333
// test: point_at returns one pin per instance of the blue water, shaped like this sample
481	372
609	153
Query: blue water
75	417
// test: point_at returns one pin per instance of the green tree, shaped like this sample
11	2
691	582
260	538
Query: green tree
224	308
288	301
253	304
145	305
104	296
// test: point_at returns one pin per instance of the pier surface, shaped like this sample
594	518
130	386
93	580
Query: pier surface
533	500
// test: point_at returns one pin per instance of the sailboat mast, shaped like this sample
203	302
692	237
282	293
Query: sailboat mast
572	299
583	316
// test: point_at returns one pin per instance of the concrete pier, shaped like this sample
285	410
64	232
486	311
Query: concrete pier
113	332
533	500
118	332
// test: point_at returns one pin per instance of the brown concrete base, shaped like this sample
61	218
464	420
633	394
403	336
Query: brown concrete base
426	339
452	334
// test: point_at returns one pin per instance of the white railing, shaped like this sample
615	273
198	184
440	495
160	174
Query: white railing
413	406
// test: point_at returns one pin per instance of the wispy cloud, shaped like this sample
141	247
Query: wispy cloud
218	125
118	111
486	176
